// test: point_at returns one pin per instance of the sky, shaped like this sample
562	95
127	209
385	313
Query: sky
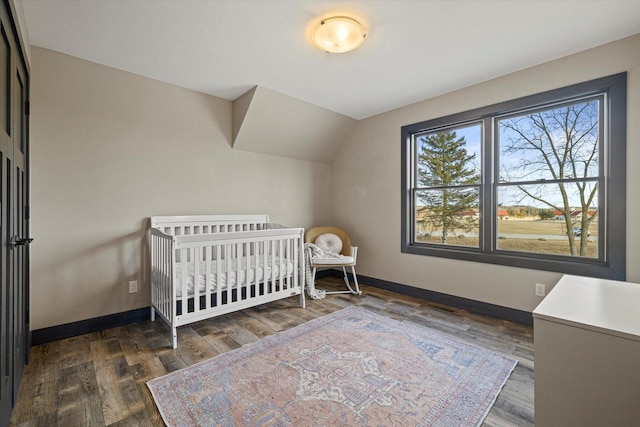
512	195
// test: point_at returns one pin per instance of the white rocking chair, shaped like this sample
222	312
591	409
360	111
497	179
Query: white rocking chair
327	236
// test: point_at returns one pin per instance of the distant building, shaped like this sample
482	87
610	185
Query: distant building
576	214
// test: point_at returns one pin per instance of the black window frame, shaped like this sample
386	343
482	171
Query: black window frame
611	263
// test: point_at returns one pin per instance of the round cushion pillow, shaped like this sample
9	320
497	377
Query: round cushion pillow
329	242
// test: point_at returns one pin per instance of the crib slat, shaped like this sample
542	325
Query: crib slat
276	260
292	248
160	271
247	279
264	267
238	270
207	277
218	275
154	268
286	263
228	253
185	293
245	271
164	281
280	259
296	283
161	268
273	266
196	257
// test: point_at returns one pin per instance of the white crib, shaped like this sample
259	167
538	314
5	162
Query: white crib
208	265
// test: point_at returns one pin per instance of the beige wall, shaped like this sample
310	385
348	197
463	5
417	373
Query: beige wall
109	149
367	172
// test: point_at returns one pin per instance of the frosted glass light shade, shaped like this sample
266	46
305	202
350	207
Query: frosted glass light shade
339	34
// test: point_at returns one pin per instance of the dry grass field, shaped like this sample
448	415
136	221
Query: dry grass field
538	228
560	247
546	237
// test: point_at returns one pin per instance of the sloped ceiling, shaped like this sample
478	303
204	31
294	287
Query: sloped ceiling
268	122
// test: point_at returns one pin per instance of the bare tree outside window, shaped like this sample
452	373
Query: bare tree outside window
549	159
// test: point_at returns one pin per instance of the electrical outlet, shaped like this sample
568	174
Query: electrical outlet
133	286
541	289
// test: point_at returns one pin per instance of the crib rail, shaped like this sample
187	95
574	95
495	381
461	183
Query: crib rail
197	273
207	224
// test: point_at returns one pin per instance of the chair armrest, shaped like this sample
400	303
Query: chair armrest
354	253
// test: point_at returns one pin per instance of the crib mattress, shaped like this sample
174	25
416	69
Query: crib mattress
256	273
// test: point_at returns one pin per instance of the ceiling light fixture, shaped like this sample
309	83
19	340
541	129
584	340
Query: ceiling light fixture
339	34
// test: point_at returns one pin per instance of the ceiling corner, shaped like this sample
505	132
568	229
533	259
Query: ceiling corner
240	108
269	122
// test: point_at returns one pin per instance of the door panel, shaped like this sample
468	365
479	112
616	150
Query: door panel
14	229
18	252
5	81
6	152
6	384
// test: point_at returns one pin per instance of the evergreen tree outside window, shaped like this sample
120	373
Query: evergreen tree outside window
448	177
537	182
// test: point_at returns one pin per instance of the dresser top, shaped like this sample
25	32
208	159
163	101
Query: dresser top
606	306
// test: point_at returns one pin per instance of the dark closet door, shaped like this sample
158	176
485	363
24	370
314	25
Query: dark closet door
19	242
14	231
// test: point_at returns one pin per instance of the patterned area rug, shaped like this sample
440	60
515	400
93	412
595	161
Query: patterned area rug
348	368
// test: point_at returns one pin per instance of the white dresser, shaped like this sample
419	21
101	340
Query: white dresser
587	354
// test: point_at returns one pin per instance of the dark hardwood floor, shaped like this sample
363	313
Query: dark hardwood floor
99	379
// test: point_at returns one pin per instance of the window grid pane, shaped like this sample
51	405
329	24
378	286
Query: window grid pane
447	216
447	177
526	225
547	154
557	143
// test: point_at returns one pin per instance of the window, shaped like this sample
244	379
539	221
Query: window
447	187
537	182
